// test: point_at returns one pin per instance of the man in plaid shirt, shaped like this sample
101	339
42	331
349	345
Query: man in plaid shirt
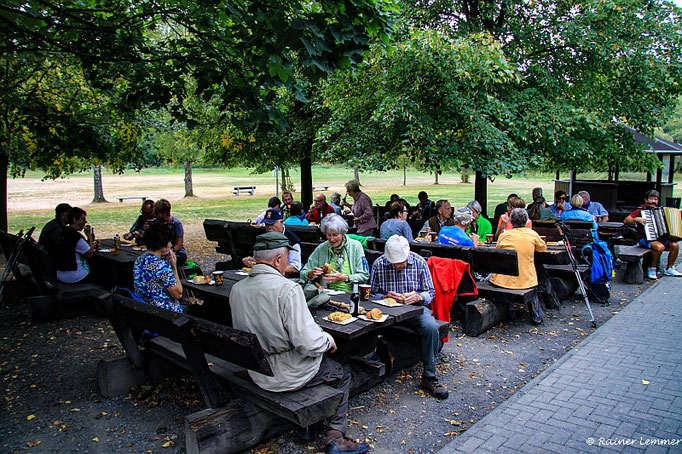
405	277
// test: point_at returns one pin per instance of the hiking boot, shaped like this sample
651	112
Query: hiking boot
338	443
672	272
433	387
652	274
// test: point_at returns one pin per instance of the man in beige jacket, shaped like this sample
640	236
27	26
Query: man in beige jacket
274	309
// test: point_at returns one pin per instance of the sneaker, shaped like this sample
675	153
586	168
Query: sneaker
338	443
652	274
433	387
672	272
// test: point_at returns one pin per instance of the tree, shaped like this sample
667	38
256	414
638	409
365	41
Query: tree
143	51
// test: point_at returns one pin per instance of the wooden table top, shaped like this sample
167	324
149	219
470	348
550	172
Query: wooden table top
127	254
353	330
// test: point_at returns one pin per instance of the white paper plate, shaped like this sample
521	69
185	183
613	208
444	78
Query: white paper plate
335	292
104	250
382	319
385	303
345	322
192	282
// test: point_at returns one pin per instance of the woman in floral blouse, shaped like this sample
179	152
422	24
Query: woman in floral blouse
156	272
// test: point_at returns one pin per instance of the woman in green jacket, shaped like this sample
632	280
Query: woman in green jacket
345	256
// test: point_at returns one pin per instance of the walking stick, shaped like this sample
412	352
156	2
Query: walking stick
564	233
10	267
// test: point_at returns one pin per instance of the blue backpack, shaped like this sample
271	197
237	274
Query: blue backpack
600	259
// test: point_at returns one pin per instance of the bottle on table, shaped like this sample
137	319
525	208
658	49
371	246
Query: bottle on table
117	244
355	301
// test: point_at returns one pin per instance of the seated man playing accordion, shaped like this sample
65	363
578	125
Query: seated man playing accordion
657	246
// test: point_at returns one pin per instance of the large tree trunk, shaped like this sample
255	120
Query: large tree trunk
189	187
99	189
4	166
481	192
436	173
307	176
356	173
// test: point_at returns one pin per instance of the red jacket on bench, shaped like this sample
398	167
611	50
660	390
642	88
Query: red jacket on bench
451	278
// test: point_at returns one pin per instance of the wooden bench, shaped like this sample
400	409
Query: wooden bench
215	354
637	259
563	279
54	299
320	188
579	233
239	189
121	199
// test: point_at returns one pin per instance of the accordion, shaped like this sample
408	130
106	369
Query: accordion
662	224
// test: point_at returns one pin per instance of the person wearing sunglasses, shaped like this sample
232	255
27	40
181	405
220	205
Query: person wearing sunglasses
142	223
560	204
397	224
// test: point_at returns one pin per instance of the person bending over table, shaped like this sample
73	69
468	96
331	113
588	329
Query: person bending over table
397	223
73	250
504	223
405	277
155	273
273	223
274	309
455	235
142	222
657	247
525	242
578	212
363	214
345	256
481	227
162	211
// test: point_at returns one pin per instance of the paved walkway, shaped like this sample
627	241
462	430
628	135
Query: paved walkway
617	391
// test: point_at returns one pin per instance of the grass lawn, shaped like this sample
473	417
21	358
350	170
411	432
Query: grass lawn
31	201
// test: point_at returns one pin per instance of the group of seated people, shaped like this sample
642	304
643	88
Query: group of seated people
294	213
70	241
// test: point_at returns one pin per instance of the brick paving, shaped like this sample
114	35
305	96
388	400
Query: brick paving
593	399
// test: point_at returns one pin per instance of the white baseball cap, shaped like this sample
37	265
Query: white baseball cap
397	249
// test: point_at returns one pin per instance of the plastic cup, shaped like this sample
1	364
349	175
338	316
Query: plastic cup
364	292
489	238
218	277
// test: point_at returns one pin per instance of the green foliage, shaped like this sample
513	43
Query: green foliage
433	98
673	128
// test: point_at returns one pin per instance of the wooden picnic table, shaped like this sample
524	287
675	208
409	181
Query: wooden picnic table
217	300
114	269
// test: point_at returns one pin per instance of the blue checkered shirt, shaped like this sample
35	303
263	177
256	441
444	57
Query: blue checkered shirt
415	278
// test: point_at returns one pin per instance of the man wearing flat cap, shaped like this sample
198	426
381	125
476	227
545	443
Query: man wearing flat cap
404	276
274	309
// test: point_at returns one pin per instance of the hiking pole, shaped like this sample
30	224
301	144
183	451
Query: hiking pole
564	232
13	259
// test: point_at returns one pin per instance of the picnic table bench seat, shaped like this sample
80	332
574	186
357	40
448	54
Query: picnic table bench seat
55	300
215	354
320	188
239	189
636	259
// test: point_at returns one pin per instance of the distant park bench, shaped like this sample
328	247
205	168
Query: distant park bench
239	189
320	188
121	199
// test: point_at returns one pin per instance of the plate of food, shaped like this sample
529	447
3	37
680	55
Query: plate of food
388	302
202	280
341	318
375	315
139	248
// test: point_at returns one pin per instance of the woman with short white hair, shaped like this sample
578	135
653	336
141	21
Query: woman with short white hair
345	257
